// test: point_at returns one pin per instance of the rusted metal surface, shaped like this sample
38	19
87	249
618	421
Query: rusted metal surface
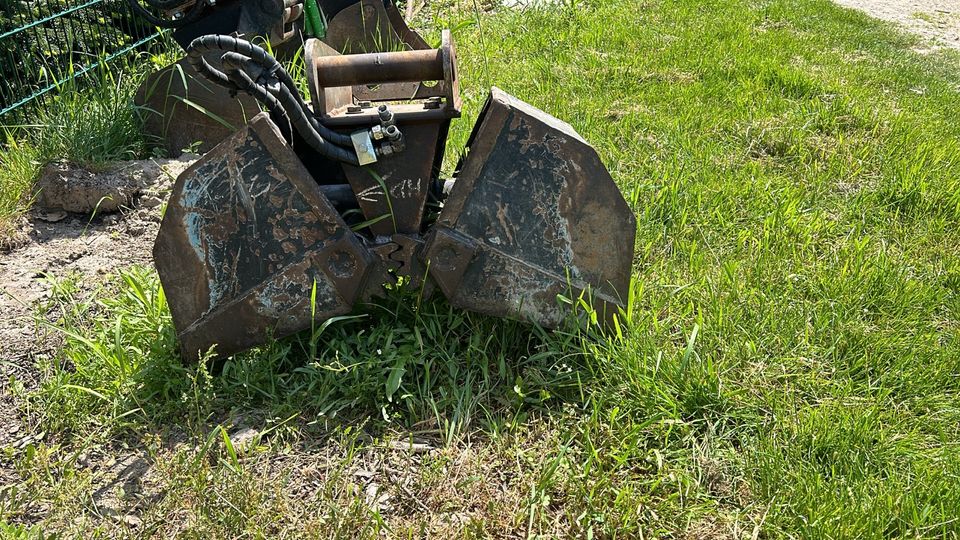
246	238
273	19
394	191
181	109
370	26
409	37
254	245
533	214
381	67
339	82
172	103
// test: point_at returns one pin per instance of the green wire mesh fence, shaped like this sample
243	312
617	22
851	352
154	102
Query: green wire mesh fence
46	44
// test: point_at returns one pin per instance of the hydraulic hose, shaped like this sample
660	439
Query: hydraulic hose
283	99
241	80
267	63
166	5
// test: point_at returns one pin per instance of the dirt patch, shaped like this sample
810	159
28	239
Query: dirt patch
52	243
65	188
936	20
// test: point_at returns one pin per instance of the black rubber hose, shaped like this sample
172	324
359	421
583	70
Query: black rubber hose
241	80
279	116
281	105
189	17
165	5
203	44
237	68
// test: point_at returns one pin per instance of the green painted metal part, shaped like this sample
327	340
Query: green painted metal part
314	20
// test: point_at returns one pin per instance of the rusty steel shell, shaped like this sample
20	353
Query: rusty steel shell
250	248
173	104
380	67
369	26
533	214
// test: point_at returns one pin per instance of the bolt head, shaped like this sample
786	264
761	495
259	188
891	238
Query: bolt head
342	264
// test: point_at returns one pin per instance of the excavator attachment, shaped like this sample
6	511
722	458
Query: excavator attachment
181	110
309	211
250	247
533	214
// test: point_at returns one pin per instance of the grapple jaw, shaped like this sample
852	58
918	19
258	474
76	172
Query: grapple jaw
253	245
249	247
533	214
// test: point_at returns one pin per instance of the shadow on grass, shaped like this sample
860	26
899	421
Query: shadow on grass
391	394
432	370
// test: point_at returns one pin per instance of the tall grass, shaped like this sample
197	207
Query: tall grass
401	361
85	122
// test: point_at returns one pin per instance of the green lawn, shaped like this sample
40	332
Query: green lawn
792	366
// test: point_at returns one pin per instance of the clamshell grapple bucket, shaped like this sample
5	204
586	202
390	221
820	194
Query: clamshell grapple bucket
309	210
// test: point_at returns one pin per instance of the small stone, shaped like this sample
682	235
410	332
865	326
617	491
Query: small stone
132	521
51	215
414	447
243	439
376	498
150	201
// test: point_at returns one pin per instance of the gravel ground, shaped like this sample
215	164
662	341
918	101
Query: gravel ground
936	20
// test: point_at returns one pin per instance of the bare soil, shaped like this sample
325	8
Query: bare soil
938	21
53	244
